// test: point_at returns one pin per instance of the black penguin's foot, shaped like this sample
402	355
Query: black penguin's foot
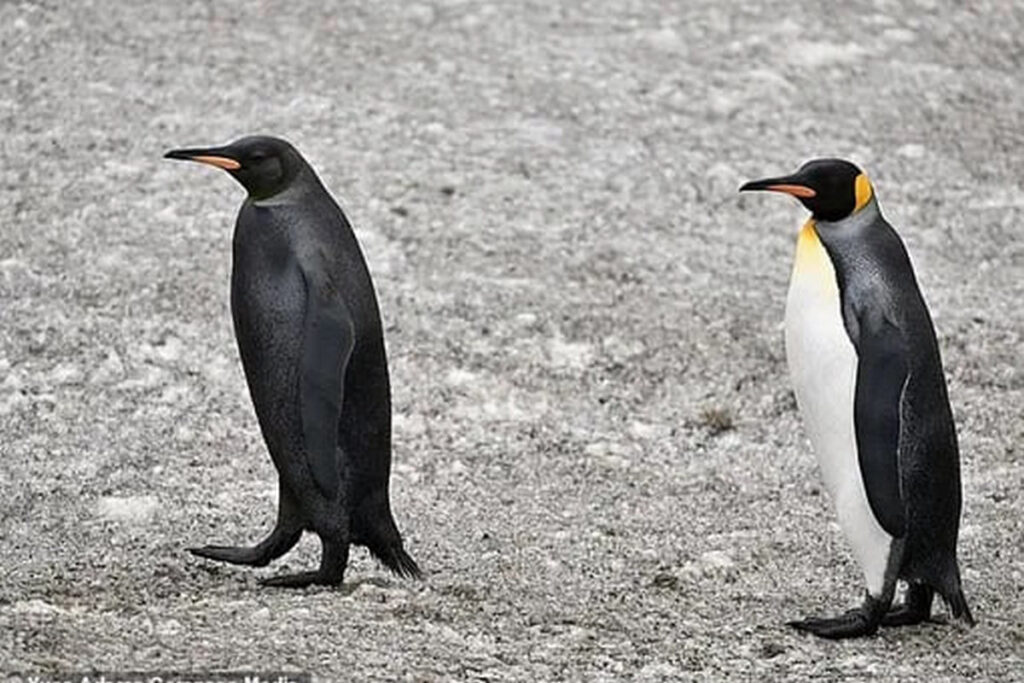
248	556
303	579
331	572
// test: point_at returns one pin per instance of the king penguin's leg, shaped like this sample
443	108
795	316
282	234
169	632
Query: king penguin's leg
916	607
861	621
284	536
864	620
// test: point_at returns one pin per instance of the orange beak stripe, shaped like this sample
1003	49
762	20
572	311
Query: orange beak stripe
219	162
795	190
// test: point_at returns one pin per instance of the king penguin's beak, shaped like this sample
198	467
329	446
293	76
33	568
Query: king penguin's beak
214	156
785	184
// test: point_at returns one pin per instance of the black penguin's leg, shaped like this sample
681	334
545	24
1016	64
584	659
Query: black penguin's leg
330	520
916	607
282	539
331	572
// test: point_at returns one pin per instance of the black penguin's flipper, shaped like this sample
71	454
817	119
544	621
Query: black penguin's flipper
328	339
881	378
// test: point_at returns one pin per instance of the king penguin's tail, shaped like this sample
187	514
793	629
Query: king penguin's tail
958	606
954	595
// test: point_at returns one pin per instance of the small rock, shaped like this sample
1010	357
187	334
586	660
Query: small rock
717	559
665	580
135	509
458	377
575	355
772	649
66	373
526	319
36	606
816	54
169	627
911	151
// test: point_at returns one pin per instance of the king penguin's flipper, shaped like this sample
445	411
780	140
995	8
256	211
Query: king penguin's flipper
326	346
881	377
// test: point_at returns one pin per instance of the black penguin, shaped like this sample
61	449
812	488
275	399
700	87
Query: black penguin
868	379
309	333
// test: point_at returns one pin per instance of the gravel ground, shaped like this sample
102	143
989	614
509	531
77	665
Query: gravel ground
598	462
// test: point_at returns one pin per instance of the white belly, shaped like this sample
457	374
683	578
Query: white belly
823	367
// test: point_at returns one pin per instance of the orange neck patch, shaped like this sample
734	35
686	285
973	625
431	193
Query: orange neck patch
812	263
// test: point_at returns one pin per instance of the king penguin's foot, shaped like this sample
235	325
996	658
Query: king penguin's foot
862	621
916	607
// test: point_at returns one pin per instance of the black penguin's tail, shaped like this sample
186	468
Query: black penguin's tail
397	560
375	528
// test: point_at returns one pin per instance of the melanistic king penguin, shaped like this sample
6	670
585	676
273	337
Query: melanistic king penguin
868	378
309	333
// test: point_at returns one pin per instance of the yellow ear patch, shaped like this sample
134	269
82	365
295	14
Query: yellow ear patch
862	192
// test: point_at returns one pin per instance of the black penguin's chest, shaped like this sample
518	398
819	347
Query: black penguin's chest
268	299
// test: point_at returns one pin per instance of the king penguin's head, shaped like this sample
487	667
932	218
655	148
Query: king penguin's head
263	165
831	189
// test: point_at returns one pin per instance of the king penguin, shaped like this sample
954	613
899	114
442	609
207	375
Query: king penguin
869	384
309	334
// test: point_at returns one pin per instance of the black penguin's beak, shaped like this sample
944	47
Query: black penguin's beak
790	184
214	156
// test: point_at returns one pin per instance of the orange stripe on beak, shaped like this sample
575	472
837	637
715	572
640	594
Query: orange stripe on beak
795	190
219	162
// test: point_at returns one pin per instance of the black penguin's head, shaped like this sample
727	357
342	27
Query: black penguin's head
263	165
831	189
